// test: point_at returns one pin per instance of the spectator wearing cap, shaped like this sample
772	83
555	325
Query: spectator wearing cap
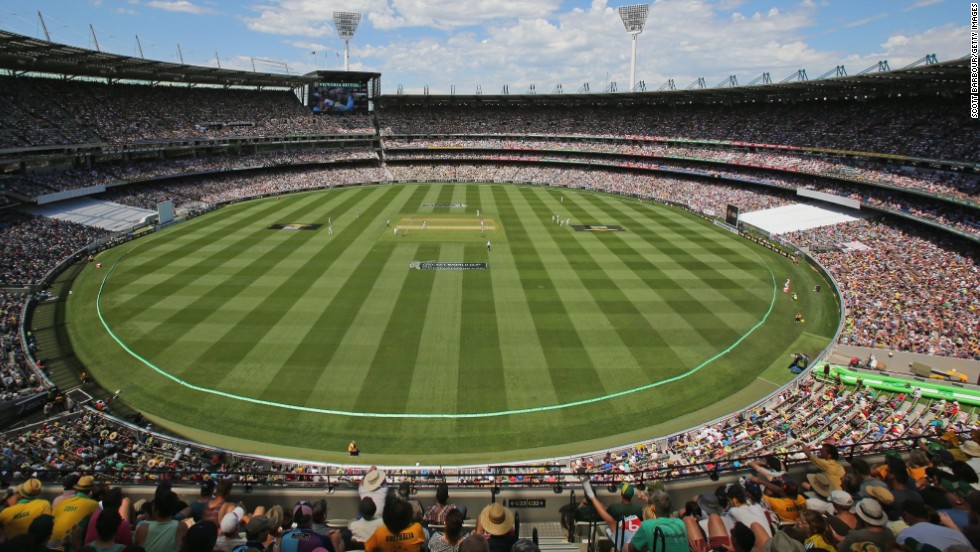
303	538
625	507
924	532
259	533
362	528
871	527
820	486
70	512
230	536
828	462
373	485
16	520
449	539
200	537
843	503
68	483
436	514
162	533
400	533
657	519
619	532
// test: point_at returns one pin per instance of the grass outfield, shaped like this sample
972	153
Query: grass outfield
293	342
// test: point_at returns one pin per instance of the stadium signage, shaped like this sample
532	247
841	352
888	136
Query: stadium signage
444	205
526	503
435	265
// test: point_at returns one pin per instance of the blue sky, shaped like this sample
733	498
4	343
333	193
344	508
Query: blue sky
467	43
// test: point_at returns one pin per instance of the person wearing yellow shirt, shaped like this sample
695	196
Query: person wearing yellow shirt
829	463
71	511
16	519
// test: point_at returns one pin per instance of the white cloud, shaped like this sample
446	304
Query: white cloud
183	6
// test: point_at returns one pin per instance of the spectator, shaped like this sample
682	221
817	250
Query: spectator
451	537
17	519
365	525
496	523
436	514
399	532
920	530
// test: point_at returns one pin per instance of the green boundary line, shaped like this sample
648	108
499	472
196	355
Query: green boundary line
560	406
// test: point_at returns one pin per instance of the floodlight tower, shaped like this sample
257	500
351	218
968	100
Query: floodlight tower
634	17
346	23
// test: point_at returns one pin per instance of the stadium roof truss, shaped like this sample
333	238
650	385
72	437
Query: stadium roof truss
949	78
25	55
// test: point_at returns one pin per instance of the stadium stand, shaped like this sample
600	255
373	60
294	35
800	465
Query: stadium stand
638	150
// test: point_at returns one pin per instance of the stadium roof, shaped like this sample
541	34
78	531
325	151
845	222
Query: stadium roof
23	55
949	78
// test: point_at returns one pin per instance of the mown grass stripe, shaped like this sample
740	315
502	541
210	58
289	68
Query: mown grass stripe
630	349
572	373
247	330
320	340
400	342
519	360
202	309
679	294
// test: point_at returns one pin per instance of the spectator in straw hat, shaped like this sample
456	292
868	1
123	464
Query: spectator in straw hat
871	527
16	520
497	523
400	533
373	485
972	449
71	511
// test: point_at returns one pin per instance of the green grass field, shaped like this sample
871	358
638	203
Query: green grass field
293	342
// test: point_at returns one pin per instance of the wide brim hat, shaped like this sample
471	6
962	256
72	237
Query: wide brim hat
374	479
497	520
30	488
85	483
820	484
870	512
971	448
881	494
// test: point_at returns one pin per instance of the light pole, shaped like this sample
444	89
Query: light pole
346	23
634	17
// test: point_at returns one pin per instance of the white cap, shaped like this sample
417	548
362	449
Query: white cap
229	523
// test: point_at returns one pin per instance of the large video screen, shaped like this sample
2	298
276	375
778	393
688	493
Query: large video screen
338	98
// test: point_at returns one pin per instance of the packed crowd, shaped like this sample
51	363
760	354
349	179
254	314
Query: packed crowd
224	188
36	184
17	378
908	126
31	246
837	504
909	291
42	112
943	183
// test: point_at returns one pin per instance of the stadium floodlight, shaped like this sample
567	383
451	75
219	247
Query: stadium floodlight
346	23
634	17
